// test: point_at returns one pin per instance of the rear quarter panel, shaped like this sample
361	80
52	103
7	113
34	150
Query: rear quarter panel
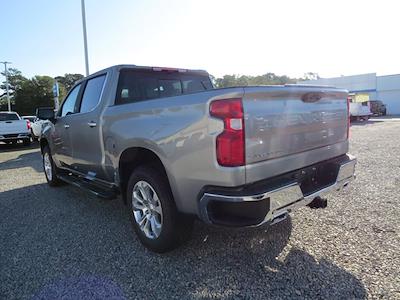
180	131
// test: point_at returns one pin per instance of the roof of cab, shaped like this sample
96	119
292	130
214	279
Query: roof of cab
130	66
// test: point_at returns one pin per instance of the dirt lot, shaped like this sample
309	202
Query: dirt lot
63	242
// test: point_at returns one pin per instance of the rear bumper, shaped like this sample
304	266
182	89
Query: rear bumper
15	136
270	200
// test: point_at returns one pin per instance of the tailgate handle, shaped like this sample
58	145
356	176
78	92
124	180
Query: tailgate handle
8	121
312	97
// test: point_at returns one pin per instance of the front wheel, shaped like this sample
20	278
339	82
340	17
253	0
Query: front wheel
155	219
49	168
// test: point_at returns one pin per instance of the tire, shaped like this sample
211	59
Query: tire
49	168
27	142
34	137
163	227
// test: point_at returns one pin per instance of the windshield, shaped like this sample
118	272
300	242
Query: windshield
8	117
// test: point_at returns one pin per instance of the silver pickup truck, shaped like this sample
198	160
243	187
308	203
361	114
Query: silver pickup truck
176	148
13	128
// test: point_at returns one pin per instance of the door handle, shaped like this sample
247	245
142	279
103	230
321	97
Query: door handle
66	126
92	124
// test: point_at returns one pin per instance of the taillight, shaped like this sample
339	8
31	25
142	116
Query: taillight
28	124
230	143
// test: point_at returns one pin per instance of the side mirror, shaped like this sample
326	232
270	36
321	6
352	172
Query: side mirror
45	114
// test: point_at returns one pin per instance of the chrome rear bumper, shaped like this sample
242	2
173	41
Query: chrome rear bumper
284	199
16	136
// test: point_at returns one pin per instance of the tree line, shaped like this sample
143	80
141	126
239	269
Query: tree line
27	94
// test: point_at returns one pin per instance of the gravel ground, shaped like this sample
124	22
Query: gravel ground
64	243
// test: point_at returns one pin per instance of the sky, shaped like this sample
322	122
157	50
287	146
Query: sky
330	37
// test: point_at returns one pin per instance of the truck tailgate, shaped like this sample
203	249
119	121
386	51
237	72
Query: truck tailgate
293	121
13	127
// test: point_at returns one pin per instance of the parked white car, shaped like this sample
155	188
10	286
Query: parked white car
36	126
13	128
359	110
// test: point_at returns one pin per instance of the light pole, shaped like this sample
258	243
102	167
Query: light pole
6	74
85	37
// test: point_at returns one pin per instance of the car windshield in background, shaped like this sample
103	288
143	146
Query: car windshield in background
8	117
136	86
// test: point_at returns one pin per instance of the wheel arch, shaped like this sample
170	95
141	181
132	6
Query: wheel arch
134	157
43	143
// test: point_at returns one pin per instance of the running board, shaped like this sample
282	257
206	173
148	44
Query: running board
89	186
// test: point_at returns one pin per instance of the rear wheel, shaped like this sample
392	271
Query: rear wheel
49	168
34	137
155	219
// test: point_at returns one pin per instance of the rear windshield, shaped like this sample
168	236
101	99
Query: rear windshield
8	117
136	86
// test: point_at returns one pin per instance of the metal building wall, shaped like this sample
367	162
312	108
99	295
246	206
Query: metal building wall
388	90
384	88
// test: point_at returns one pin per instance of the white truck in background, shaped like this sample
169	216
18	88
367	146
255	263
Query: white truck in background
359	107
13	128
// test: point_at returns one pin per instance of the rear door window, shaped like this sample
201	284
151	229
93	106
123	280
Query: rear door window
92	93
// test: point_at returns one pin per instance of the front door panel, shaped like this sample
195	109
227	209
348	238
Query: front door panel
62	141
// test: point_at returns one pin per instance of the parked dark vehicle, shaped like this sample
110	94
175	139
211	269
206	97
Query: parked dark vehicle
377	108
176	148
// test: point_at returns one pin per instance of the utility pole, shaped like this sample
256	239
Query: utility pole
85	37
6	74
56	94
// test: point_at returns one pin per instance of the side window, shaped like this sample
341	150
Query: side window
69	103
91	95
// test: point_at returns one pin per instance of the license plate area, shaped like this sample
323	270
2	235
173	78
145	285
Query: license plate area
284	197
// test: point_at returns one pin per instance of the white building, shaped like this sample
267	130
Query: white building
384	88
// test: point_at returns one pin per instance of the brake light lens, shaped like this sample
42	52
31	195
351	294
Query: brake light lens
231	142
28	124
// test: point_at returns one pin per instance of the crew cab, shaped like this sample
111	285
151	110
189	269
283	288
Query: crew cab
13	128
176	148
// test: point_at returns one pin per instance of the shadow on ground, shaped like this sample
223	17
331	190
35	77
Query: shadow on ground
17	147
64	243
30	159
367	122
